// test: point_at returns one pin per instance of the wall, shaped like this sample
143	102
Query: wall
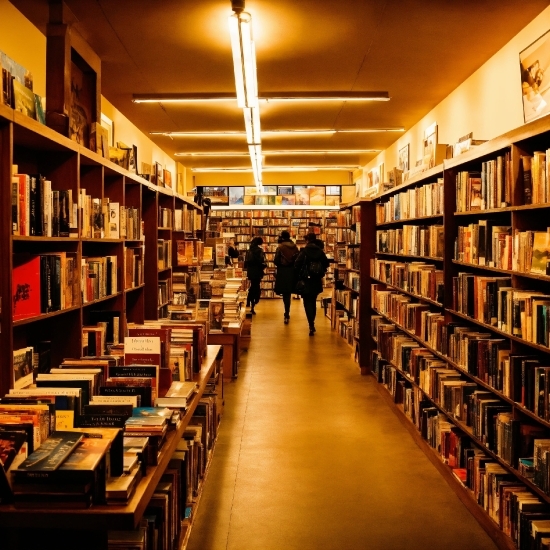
488	103
23	42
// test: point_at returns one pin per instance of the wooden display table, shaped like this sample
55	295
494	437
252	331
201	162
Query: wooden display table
230	340
87	529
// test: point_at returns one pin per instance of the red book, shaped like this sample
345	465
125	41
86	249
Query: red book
25	294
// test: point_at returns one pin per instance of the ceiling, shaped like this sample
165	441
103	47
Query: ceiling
417	50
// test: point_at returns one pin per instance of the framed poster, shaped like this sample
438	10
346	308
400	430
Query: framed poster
217	195
403	161
285	190
302	194
534	64
236	195
334	190
429	146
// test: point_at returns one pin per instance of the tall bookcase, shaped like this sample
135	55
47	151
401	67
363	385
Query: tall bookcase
349	308
458	318
35	149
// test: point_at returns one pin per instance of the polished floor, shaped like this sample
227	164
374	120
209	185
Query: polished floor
309	456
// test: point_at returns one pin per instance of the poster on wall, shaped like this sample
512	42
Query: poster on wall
403	162
236	195
534	63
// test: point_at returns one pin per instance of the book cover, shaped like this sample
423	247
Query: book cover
317	196
541	247
26	298
302	195
22	367
50	455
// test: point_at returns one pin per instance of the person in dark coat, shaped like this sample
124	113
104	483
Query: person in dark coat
312	283
255	266
285	282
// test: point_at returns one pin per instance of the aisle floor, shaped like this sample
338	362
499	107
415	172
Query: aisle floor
309	456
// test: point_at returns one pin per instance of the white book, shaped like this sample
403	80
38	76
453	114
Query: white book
115	400
47	194
113	224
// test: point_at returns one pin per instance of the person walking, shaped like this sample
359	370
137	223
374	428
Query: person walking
285	281
310	268
255	266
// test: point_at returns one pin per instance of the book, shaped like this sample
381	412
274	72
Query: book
49	457
26	287
23	367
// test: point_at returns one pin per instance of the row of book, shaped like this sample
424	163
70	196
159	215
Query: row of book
44	283
417	278
350	257
523	378
105	219
418	202
98	277
192	252
490	420
188	220
271	214
488	244
412	240
536	181
491	188
272	222
39	210
348	299
493	301
352	280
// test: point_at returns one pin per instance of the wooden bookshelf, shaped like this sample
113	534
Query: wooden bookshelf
35	148
520	217
355	225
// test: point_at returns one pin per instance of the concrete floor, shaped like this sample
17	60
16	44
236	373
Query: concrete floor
310	457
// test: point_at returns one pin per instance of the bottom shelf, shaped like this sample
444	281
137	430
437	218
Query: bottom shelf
464	494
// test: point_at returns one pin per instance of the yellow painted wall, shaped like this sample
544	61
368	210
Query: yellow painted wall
488	103
24	43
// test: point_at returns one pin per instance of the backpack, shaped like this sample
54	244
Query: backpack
315	269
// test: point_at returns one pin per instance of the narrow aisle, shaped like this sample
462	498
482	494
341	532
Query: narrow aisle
310	457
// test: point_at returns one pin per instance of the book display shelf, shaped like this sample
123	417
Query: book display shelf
107	246
458	322
268	224
348	310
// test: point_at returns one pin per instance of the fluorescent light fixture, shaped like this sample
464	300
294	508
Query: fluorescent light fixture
278	132
326	152
272	97
212	154
230	133
324	96
278	169
244	59
184	98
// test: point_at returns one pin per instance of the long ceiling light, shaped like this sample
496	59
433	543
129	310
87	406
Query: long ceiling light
246	82
255	116
270	97
306	168
288	152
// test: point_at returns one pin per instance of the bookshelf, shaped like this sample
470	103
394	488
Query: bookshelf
353	227
36	149
458	316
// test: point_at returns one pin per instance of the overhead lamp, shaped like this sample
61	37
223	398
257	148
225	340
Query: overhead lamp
254	114
271	97
244	59
184	98
349	168
212	154
326	152
229	133
324	96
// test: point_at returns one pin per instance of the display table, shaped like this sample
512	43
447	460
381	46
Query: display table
87	529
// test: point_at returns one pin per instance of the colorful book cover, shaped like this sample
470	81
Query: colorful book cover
288	199
302	195
22	368
317	196
541	248
25	297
